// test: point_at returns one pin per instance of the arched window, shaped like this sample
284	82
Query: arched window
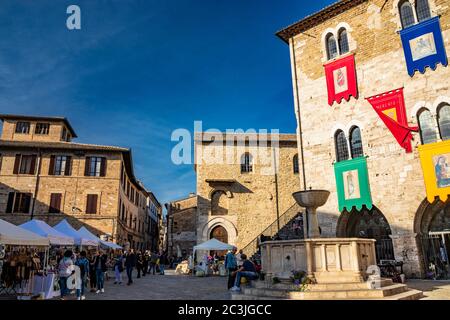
246	163
295	164
427	127
444	121
341	146
407	14
423	10
331	47
343	41
356	143
219	205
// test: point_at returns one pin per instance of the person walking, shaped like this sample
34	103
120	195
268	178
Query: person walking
118	268
162	262
130	263
65	270
139	264
83	263
231	266
145	261
92	276
100	269
153	261
248	271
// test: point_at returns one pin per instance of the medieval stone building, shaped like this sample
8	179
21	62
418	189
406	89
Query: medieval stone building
46	176
242	190
372	97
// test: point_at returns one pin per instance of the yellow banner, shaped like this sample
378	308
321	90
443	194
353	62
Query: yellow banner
435	159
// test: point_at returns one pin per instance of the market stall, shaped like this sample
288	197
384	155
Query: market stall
22	254
49	280
105	244
206	266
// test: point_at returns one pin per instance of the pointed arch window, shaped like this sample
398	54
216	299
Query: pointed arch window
343	41
423	10
295	164
246	163
444	121
407	14
332	51
356	143
341	146
427	127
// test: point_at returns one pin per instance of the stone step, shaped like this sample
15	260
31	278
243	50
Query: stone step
327	295
325	286
410	294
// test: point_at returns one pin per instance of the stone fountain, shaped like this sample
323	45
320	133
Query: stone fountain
311	200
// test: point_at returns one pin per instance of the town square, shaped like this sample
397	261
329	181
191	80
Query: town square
240	151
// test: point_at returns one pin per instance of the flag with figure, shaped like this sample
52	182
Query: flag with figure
341	79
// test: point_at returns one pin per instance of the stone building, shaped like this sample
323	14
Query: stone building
44	175
154	225
239	192
371	85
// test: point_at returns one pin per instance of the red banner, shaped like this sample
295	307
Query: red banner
390	107
341	79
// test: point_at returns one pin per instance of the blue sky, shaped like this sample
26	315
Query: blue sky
139	69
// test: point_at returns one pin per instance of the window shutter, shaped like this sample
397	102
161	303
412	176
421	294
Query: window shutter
17	164
33	165
55	203
103	168
87	167
91	205
9	206
26	202
51	168
68	171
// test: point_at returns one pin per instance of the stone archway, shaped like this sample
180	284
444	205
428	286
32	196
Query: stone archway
432	226
225	223
370	224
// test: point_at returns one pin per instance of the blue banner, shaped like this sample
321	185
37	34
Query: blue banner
424	46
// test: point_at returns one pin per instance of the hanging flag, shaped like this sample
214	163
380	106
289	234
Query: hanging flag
341	79
435	160
423	45
352	184
390	107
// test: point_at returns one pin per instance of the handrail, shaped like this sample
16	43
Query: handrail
291	213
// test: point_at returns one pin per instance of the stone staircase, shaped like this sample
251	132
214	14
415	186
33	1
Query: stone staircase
383	289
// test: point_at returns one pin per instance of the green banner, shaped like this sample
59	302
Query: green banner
352	182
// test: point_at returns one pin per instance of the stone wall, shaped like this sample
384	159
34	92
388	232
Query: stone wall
396	177
250	198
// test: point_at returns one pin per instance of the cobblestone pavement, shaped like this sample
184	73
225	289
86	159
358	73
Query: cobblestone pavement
432	290
167	287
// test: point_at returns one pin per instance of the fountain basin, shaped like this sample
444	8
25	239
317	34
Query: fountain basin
311	198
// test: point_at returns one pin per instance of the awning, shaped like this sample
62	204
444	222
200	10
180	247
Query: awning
80	240
14	235
44	230
89	235
213	244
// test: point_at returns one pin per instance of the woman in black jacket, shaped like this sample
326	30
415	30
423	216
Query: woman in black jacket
100	269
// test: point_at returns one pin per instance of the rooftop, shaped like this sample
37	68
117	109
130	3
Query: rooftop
317	18
39	118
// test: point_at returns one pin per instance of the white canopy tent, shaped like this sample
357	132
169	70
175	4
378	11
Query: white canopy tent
44	230
86	233
80	240
213	245
14	235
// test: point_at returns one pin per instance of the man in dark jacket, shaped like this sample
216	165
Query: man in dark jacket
130	263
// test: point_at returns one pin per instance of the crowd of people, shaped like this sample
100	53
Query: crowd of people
76	269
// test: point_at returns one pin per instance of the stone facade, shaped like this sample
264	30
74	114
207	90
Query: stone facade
396	178
120	212
252	201
181	226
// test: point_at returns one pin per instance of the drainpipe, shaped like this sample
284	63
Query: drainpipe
297	101
36	189
276	189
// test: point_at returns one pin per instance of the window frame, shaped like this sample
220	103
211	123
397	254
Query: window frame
22	124
295	164
327	45
42	126
246	163
426	8
352	153
438	119
340	32
432	121
336	145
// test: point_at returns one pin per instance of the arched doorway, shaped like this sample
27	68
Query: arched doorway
371	224
221	234
432	225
